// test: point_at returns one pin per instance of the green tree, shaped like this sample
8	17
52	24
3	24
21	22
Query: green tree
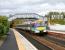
58	19
4	25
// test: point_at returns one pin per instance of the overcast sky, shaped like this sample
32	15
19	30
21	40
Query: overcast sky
31	6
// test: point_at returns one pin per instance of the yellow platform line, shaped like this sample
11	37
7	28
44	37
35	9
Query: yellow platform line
19	41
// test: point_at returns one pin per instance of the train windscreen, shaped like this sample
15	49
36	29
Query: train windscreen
39	24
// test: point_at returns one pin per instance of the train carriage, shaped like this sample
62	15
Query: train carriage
37	27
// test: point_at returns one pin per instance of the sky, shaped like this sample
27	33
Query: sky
41	7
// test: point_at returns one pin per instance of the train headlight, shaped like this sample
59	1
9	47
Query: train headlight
44	31
37	31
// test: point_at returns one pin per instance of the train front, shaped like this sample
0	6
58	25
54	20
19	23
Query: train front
39	26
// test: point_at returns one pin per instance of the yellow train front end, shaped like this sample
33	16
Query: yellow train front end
40	29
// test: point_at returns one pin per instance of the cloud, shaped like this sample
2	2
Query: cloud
60	7
34	6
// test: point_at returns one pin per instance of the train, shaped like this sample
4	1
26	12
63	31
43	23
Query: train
38	26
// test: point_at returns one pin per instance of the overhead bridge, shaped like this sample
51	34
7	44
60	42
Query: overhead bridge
25	16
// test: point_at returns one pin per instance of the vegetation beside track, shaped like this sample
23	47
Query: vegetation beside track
4	28
4	25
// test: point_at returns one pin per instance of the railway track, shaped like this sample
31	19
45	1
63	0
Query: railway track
57	35
48	42
55	40
34	42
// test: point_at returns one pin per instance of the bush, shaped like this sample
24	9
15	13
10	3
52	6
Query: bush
57	21
4	25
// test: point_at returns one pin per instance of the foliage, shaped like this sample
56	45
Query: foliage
55	20
4	25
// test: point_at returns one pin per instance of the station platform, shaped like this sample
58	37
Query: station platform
23	43
10	42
